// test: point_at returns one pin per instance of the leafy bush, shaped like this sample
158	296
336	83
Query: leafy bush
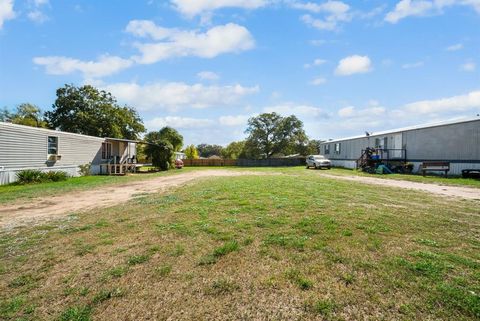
30	176
84	170
56	176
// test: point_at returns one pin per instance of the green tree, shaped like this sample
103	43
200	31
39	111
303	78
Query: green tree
159	150
166	134
271	134
5	115
25	114
233	150
172	136
206	150
191	152
312	148
89	111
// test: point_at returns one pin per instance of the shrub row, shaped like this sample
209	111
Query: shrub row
30	176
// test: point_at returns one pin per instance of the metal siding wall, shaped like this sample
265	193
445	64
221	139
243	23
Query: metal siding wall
450	142
344	163
78	150
349	149
24	147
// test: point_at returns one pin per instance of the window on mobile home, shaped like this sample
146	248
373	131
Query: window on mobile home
327	149
337	148
52	147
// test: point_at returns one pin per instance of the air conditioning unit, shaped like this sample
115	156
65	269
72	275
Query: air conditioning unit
54	158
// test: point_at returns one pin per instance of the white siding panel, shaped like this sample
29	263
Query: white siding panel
343	163
24	147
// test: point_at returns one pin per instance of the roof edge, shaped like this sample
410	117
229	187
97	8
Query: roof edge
409	128
40	129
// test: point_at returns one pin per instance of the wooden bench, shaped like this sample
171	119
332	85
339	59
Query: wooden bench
435	167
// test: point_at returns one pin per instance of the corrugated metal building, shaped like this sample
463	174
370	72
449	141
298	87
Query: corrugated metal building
457	142
24	147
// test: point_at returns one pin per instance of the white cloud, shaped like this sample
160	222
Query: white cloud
319	23
175	95
418	8
191	8
469	66
318	81
36	13
455	47
373	12
39	3
330	7
37	16
173	43
6	11
346	111
178	122
297	109
316	62
148	29
407	8
318	42
353	65
352	112
332	13
470	101
208	75
104	66
412	65
239	120
229	38
351	120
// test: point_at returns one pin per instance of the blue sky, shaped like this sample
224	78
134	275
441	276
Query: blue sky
206	66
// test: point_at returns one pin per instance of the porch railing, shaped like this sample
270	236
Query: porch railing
376	155
118	165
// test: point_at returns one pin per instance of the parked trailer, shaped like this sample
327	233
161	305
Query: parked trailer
456	142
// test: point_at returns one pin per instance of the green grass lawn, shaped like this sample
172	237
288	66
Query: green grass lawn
434	179
290	247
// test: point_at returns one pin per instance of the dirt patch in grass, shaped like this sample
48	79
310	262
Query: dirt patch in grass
450	191
45	208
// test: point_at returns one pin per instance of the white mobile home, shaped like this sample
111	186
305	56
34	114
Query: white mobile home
456	142
24	147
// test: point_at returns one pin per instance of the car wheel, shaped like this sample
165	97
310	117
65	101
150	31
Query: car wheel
308	167
315	165
328	167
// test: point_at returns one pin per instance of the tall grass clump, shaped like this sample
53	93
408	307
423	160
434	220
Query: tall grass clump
30	176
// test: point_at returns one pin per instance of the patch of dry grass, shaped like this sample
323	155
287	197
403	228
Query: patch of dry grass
431	178
293	247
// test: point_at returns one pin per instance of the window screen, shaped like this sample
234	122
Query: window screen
337	148
52	145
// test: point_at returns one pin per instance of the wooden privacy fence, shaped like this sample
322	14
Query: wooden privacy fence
270	162
209	162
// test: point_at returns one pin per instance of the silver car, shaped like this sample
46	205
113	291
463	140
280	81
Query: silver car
318	161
